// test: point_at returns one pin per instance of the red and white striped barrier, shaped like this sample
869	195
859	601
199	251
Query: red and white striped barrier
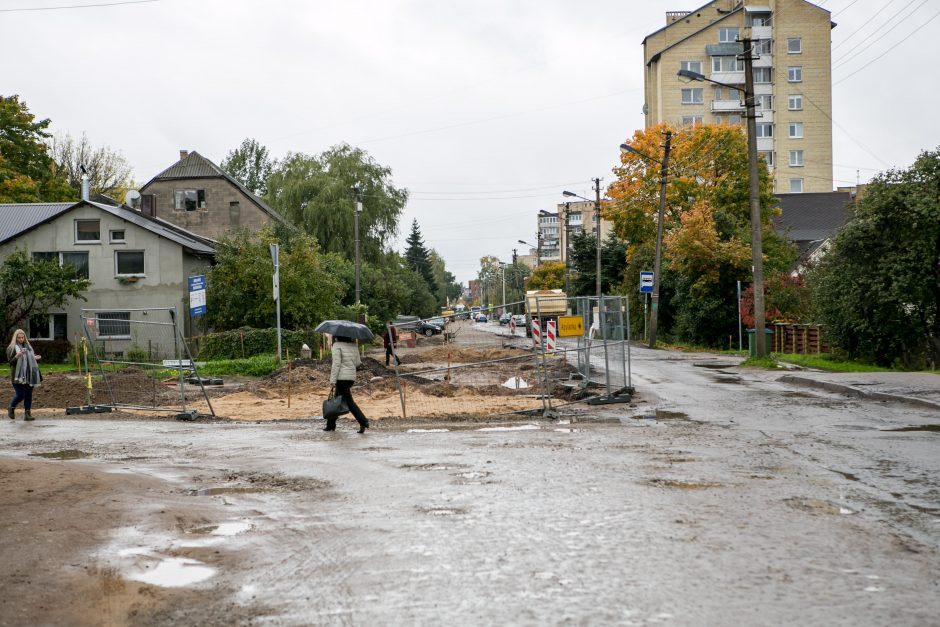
536	332
550	337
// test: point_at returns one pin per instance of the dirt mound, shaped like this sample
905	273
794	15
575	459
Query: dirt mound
130	386
462	355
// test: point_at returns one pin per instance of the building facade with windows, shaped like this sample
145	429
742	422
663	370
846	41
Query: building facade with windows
792	80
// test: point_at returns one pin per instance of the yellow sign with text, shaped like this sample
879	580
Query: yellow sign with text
570	326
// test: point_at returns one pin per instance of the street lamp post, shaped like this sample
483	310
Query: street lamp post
597	218
358	211
757	255
538	249
660	217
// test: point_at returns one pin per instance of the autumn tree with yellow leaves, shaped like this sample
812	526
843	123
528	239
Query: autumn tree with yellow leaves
706	243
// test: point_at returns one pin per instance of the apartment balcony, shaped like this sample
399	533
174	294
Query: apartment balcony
764	60
765	144
727	106
762	32
728	78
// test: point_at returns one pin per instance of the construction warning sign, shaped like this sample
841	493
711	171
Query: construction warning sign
570	326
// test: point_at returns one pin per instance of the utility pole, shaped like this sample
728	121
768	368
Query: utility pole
757	253
358	211
657	262
567	242
597	220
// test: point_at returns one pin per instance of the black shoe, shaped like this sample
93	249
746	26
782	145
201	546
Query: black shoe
330	426
11	413
363	426
28	416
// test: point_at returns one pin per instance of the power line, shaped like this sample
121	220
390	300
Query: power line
838	62
77	6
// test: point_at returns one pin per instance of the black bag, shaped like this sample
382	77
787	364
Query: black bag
334	406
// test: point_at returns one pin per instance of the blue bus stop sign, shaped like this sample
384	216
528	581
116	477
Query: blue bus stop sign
646	283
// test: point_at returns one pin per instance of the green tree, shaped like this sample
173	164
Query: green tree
239	290
418	257
583	264
109	173
547	276
448	289
29	288
251	165
877	289
316	194
27	172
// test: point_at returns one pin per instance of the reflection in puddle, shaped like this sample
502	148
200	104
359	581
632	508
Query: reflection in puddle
519	428
565	430
934	428
66	454
173	572
217	491
427	430
817	505
684	485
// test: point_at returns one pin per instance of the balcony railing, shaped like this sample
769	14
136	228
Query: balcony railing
725	106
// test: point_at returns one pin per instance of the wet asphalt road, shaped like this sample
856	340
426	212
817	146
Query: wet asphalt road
743	502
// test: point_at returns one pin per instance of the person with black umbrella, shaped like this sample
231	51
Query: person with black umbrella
343	375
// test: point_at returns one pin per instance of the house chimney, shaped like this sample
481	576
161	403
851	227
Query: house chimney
183	154
86	191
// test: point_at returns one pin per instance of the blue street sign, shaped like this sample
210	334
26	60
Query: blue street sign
646	282
197	295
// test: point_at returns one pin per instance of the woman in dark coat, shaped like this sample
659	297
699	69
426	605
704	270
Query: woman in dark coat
24	371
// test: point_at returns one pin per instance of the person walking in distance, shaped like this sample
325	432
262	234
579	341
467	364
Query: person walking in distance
24	371
390	339
343	374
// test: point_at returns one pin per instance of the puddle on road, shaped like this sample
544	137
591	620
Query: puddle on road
847	475
174	572
427	430
662	414
731	380
442	511
233	490
65	455
717	365
433	466
817	506
932	428
519	428
223	529
683	485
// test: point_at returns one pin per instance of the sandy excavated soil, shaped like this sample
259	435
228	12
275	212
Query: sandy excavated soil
459	382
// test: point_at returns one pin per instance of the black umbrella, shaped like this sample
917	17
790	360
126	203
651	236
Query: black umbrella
345	328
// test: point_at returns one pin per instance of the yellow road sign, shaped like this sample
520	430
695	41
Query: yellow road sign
570	326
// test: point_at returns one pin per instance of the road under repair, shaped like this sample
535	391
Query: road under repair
719	496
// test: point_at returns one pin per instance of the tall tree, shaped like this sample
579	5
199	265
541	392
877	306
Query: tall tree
547	276
27	172
251	165
29	287
448	289
418	257
316	194
877	290
583	264
109	173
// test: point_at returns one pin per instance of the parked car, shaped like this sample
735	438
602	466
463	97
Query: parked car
519	320
505	318
481	317
426	328
437	320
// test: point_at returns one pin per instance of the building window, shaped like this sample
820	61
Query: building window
727	35
693	95
795	102
114	324
692	66
78	261
795	74
765	102
768	156
87	231
48	327
763	46
796	130
129	262
727	64
117	236
190	199
762	75
794	45
692	120
796	186
764	129
760	19
796	158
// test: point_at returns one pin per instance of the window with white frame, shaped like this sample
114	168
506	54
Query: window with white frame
794	45
87	231
129	262
692	66
796	158
693	95
727	64
768	156
117	236
760	19
795	102
692	120
763	75
795	74
796	130
734	118
763	46
727	35
114	324
796	186
764	129
764	101
48	327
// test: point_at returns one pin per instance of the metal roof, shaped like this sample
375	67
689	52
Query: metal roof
812	217
17	219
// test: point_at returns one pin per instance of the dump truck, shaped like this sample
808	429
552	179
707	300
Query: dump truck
544	305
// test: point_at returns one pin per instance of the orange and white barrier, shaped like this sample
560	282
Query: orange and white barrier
536	332
550	337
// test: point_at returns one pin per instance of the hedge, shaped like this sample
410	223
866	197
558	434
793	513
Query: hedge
247	342
52	351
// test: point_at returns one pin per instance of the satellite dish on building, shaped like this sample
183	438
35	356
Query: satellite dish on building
132	199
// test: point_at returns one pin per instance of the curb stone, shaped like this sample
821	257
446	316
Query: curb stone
853	391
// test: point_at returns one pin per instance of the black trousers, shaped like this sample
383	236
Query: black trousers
388	356
343	389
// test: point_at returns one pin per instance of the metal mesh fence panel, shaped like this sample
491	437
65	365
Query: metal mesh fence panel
137	360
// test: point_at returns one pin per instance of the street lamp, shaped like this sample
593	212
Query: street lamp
757	255
597	218
657	261
358	212
538	249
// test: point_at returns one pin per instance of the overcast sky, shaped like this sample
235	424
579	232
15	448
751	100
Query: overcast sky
484	110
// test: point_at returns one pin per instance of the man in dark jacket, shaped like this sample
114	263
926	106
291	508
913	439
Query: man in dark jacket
390	339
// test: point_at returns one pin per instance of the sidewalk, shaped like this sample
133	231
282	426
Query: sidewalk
914	388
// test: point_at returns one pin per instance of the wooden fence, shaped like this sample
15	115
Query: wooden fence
799	338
